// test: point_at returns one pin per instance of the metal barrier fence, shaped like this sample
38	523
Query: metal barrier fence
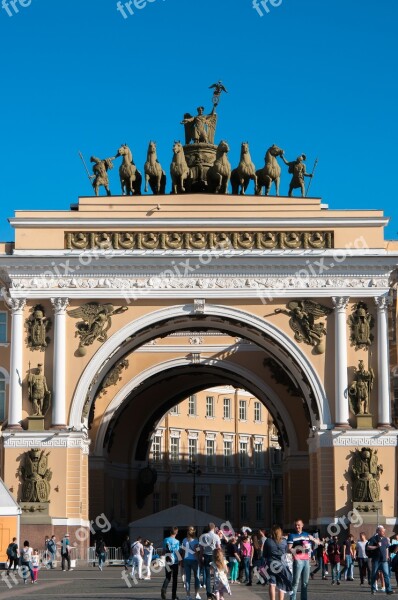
113	556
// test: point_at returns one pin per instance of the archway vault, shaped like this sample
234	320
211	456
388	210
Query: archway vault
226	319
209	373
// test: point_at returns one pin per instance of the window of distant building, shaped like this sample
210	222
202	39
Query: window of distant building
243	448
242	410
174	410
227	408
192	405
174	449
258	455
259	508
228	506
209	406
257	412
243	507
227	453
157	448
210	452
192	448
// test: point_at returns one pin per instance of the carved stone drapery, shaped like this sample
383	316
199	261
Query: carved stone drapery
37	327
199	240
35	476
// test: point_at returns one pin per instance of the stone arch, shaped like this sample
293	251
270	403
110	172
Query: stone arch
268	396
179	317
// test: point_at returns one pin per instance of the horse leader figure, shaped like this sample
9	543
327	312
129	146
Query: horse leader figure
297	169
154	174
179	169
130	177
219	174
241	176
270	173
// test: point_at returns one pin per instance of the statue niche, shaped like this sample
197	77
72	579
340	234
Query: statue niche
36	476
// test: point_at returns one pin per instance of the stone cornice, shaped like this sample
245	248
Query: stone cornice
46	439
352	438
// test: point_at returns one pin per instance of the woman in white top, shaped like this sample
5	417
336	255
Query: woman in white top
148	552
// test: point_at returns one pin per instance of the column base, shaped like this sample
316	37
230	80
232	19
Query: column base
342	426
16	427
59	427
385	426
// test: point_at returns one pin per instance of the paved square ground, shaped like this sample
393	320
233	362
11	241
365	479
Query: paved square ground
89	582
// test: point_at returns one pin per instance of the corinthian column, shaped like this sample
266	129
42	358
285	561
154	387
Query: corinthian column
341	378
383	384
17	306
59	365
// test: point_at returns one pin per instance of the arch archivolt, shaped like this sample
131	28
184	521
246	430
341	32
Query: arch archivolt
226	319
263	391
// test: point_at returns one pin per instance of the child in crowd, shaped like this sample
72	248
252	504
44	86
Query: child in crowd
35	564
220	569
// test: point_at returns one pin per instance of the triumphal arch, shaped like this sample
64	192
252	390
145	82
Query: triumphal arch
294	301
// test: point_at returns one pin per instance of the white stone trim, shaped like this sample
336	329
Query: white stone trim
175	433
70	522
109	347
192	434
211	435
6	374
352	437
30	439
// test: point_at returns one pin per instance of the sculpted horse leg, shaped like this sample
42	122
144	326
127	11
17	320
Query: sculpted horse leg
277	182
146	182
243	186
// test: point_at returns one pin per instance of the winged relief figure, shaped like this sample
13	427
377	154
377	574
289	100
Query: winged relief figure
95	322
303	314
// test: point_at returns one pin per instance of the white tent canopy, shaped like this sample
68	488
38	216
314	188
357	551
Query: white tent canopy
8	505
181	516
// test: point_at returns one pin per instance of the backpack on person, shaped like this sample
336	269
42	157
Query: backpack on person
11	551
371	553
26	555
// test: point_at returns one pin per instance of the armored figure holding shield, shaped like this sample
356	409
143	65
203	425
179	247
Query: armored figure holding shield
39	394
36	476
365	475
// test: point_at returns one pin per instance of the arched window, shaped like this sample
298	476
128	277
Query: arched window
2	397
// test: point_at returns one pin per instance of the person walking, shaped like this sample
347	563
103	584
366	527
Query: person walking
278	574
299	544
26	561
233	557
379	546
334	555
65	553
51	550
246	554
257	554
220	570
321	556
363	561
348	558
190	548
12	555
100	552
137	554
126	551
171	550
35	564
147	560
208	543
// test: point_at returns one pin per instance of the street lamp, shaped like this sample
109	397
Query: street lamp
194	469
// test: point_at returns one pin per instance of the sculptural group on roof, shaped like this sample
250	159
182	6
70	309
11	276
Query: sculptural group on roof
200	165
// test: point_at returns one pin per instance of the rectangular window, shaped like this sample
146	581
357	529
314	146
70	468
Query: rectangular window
228	506
174	410
192	405
174	449
276	456
202	503
242	410
259	508
258	456
156	502
227	453
210	452
243	507
227	408
3	327
174	499
2	397
209	406
192	448
243	454
157	448
257	412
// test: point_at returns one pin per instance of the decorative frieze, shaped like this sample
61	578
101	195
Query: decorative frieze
199	240
47	440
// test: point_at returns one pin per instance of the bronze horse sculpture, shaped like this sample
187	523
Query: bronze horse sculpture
245	171
270	173
130	177
219	174
179	169
154	174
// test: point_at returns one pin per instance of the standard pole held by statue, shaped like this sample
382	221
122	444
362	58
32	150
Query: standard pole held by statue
87	171
310	181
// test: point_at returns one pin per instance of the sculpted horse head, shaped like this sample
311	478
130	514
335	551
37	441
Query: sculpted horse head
125	151
244	148
222	148
177	147
152	148
274	150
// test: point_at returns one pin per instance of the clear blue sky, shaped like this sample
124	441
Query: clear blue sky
313	76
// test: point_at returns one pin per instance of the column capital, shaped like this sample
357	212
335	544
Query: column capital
60	305
340	302
382	302
16	305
